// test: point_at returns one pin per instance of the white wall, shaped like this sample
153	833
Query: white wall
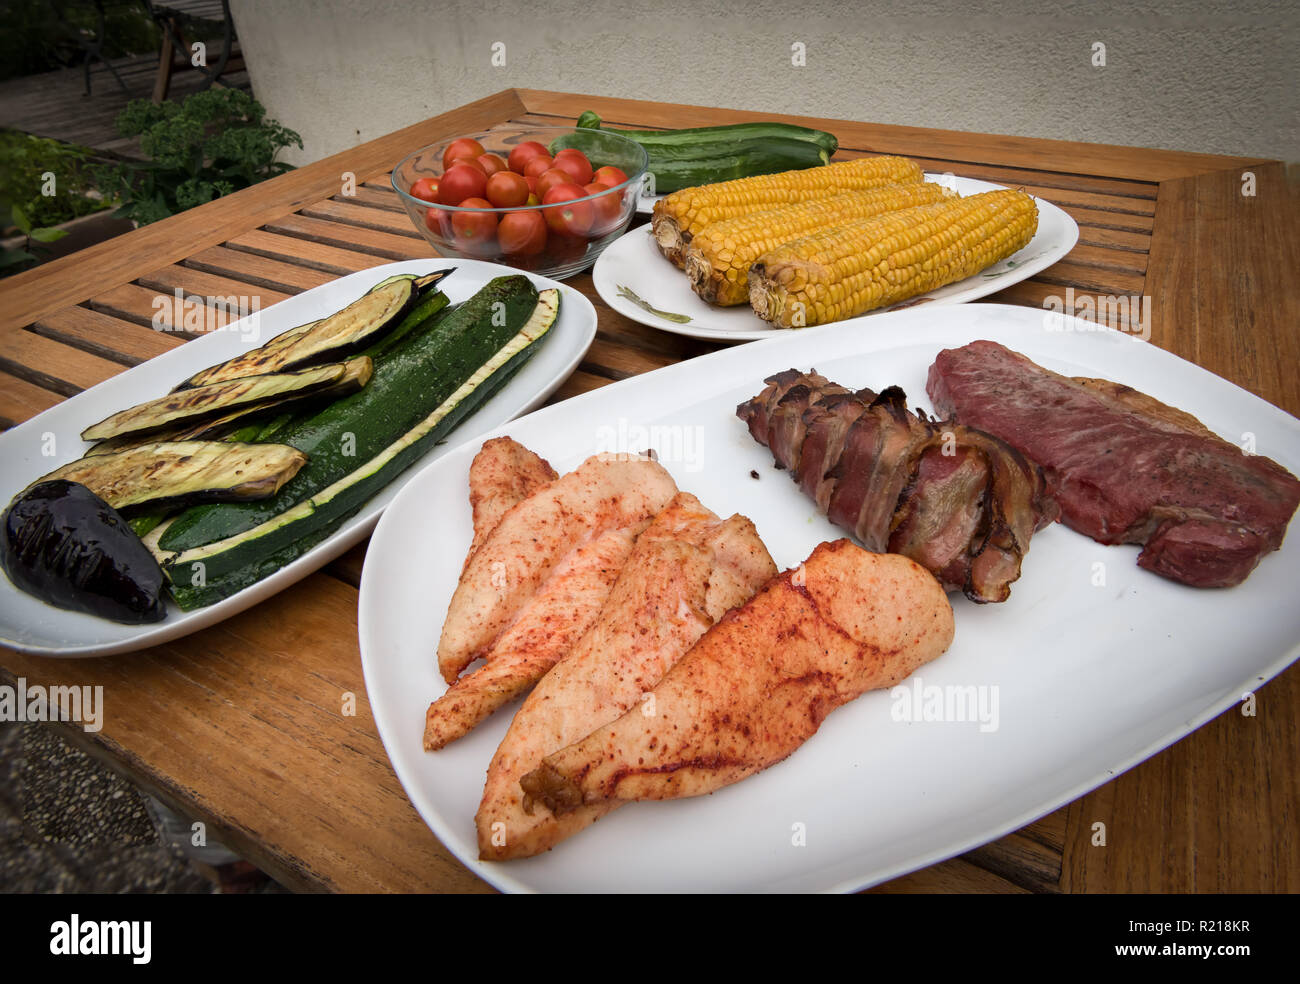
1180	75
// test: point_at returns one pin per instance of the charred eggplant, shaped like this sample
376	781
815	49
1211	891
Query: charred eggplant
68	547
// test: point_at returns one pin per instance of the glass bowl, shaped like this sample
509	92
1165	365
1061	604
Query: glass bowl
604	216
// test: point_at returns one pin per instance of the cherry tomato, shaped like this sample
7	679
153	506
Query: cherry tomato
538	165
426	189
505	189
606	208
522	233
568	217
468	162
464	147
550	178
492	163
525	152
533	199
610	175
475	232
439	222
461	182
575	166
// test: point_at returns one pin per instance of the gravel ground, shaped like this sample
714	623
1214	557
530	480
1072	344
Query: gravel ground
68	824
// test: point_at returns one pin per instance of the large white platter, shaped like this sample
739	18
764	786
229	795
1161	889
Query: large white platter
634	262
1096	668
31	625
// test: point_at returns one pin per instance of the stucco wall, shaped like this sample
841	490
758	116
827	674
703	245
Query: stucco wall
1188	76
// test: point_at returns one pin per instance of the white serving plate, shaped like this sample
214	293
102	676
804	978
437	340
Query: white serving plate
29	624
633	261
1091	679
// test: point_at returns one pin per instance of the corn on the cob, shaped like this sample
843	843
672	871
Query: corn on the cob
871	263
679	216
720	255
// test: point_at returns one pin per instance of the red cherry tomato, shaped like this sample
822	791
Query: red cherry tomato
523	153
460	182
439	222
505	189
537	166
475	232
426	189
492	163
568	217
606	208
550	178
464	147
469	162
522	233
532	185
610	175
575	166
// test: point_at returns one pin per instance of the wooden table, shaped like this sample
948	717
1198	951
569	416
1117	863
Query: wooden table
241	726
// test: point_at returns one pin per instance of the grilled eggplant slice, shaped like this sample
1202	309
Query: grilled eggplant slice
217	399
184	473
66	546
359	324
356	374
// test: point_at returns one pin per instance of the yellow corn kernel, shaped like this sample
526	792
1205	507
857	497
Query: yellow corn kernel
859	266
719	255
679	216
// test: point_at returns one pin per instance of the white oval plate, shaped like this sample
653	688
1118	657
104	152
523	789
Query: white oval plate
1094	668
633	261
29	624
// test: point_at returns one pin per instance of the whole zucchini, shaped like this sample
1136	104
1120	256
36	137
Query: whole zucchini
704	155
408	383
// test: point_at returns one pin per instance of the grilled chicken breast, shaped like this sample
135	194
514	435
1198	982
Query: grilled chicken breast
551	622
605	492
503	474
759	683
686	570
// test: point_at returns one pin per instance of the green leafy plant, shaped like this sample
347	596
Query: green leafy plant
42	183
50	181
215	142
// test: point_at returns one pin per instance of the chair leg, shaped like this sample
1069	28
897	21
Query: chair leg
163	80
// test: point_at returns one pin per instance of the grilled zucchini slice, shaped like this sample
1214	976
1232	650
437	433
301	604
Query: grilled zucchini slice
356	374
214	400
364	321
176	473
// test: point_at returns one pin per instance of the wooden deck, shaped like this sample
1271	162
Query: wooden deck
54	104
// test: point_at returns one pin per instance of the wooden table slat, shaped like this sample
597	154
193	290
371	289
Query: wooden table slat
383	244
303	252
52	365
105	336
277	275
21	400
349	213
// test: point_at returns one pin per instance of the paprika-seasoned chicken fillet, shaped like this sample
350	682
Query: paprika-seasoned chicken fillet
503	473
759	683
686	570
551	622
605	492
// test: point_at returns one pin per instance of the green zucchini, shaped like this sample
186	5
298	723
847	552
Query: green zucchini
704	155
409	382
208	573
